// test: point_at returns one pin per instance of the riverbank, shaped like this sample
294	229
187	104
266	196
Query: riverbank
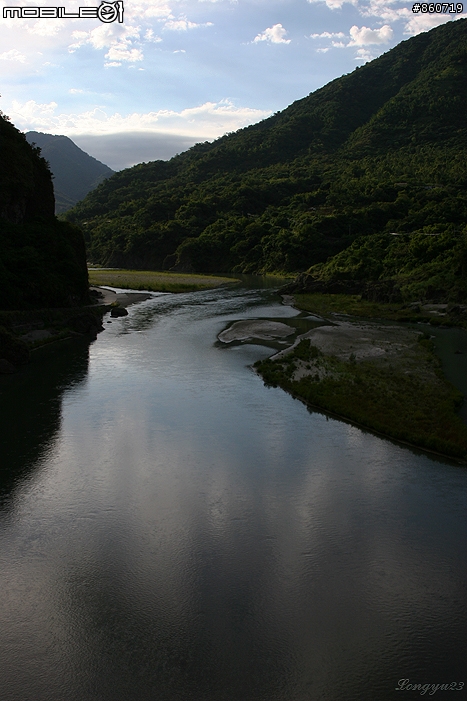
380	376
155	281
112	298
23	332
435	314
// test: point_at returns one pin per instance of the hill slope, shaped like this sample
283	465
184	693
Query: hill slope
42	260
380	150
75	172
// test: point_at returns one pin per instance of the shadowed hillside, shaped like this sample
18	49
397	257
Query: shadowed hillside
42	260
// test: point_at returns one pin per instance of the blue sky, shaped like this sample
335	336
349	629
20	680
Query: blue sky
179	71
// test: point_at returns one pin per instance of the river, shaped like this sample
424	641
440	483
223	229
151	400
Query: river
173	530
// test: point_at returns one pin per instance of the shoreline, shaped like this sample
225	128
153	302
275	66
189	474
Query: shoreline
122	299
156	281
25	332
351	305
375	375
382	434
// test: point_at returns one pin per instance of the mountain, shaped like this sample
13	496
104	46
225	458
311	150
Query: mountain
379	151
75	172
42	260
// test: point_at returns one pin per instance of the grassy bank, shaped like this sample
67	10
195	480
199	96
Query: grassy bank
404	397
354	305
155	281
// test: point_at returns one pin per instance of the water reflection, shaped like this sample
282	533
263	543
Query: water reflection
451	346
30	408
194	535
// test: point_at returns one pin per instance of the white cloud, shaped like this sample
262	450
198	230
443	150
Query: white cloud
335	4
150	36
139	10
425	22
274	34
182	24
384	10
45	28
363	55
328	35
13	55
30	109
120	52
104	36
124	43
388	11
365	36
206	121
118	40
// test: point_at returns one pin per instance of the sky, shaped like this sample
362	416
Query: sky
176	72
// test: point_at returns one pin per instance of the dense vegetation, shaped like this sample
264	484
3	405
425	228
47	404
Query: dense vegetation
42	260
378	151
396	268
42	264
74	171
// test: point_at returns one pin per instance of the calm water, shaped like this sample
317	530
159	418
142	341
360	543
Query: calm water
173	530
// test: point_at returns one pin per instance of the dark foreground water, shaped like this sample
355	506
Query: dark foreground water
173	530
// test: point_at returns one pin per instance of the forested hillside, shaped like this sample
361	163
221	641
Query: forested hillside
42	260
376	152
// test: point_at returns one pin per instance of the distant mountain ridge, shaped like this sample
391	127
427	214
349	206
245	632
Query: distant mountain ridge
380	150
75	172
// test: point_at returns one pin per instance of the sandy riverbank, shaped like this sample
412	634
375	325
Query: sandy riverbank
123	299
357	342
379	376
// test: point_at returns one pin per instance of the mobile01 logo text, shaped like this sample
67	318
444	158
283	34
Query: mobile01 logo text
107	12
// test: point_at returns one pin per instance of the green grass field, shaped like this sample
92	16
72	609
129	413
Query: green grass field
155	281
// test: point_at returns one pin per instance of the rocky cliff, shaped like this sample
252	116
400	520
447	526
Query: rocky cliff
26	188
42	260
